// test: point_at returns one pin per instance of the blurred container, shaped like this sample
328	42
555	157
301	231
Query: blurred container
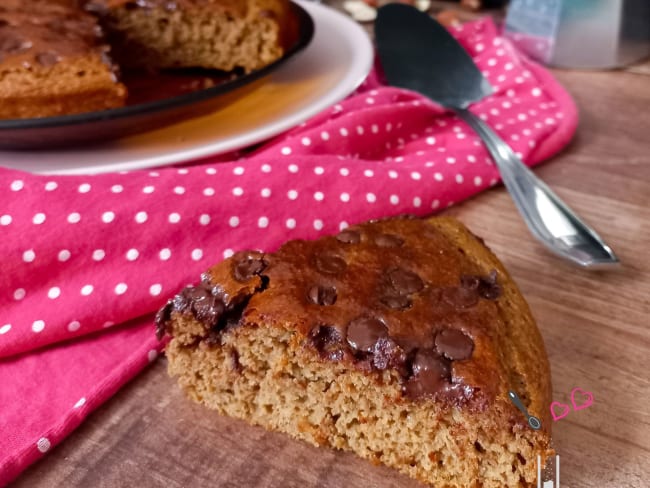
581	33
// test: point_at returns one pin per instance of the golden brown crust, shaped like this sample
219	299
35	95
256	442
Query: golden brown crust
60	104
525	360
330	340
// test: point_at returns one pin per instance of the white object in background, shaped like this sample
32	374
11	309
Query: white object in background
360	10
581	33
330	68
366	10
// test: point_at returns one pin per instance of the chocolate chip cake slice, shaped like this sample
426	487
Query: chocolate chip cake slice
53	61
215	34
396	339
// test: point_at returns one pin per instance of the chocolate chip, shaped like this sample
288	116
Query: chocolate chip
470	281
131	6
427	361
460	297
404	282
489	288
388	240
322	295
203	301
387	354
364	332
97	7
328	341
349	237
395	287
206	307
492	292
396	302
329	263
486	286
13	44
248	264
431	374
454	344
47	59
162	319
63	27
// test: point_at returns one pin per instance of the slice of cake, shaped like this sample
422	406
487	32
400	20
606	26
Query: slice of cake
53	61
215	34
397	339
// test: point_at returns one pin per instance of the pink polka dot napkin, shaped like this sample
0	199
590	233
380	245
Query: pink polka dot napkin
86	260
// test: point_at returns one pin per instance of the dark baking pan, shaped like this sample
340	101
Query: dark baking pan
155	100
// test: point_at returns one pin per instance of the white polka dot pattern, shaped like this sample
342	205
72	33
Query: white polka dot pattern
38	326
43	444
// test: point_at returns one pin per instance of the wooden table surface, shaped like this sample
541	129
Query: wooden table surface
596	326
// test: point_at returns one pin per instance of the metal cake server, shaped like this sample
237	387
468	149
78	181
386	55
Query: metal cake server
418	53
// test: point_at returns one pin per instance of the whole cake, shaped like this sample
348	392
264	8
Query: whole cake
396	339
54	54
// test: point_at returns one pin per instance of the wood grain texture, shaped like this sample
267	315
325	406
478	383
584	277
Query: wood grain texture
595	326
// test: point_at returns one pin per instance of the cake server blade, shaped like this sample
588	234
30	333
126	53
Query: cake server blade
419	54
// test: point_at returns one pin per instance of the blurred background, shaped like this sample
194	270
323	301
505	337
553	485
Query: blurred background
579	34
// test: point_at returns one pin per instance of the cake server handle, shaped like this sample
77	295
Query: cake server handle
549	219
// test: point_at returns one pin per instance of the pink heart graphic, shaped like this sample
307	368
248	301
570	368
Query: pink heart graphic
564	410
586	400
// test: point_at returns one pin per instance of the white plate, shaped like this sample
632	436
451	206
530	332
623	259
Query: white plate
331	67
